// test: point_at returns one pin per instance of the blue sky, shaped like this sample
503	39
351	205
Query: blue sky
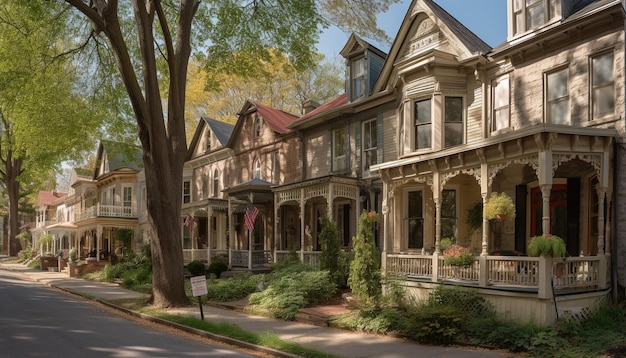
486	18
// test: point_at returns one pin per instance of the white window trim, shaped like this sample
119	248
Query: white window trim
492	125
336	158
413	127
463	120
548	102
364	151
609	116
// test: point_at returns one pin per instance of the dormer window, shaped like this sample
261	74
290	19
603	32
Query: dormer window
357	78
532	14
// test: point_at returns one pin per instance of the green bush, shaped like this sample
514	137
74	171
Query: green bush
365	276
287	293
232	289
217	267
433	323
196	268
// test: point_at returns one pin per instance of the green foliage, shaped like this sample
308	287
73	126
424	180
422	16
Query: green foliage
331	252
288	292
547	246
217	266
499	204
474	220
44	241
125	237
35	264
25	254
196	268
135	272
434	323
232	289
365	277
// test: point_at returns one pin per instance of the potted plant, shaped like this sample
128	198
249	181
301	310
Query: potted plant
457	255
499	206
547	246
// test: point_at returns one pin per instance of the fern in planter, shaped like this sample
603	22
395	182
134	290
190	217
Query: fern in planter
547	246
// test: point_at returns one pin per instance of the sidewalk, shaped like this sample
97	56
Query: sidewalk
325	339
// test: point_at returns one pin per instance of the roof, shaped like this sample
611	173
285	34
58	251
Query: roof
469	39
326	107
221	130
48	197
276	119
121	155
83	173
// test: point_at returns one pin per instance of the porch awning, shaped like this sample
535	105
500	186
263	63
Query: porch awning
64	226
260	189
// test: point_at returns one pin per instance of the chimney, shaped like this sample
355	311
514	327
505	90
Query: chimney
310	105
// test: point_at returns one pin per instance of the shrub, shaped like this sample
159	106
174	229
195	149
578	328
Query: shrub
330	255
232	289
365	276
196	268
289	292
457	255
216	267
547	245
433	323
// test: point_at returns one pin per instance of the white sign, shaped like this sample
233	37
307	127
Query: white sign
198	286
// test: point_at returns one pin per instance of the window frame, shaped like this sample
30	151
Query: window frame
593	87
522	16
358	77
258	125
369	148
216	183
338	166
549	102
447	123
505	106
416	126
406	218
256	168
186	191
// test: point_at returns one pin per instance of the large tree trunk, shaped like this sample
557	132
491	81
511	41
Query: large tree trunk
13	168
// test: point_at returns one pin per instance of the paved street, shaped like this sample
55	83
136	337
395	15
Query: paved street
36	321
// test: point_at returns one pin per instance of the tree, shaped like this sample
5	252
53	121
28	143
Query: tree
220	95
365	276
239	34
43	118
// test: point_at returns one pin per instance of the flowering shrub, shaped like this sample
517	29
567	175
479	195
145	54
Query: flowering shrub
547	245
457	255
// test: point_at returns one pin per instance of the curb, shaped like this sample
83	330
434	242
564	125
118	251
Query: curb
195	331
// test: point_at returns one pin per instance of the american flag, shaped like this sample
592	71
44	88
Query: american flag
251	214
189	222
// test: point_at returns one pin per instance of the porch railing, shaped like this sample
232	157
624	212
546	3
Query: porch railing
566	274
311	258
99	210
241	258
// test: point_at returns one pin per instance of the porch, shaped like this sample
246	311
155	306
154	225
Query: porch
112	211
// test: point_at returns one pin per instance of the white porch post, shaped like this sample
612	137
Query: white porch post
301	216
385	220
437	200
210	229
98	239
277	235
484	192
231	232
545	184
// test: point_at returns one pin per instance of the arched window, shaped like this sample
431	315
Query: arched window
216	183
258	124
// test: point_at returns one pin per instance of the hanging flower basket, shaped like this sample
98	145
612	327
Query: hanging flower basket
499	206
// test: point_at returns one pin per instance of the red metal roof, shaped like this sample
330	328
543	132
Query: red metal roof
47	197
277	120
330	105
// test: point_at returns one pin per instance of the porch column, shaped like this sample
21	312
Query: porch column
385	219
546	189
545	184
330	198
276	224
302	232
98	239
231	232
603	265
209	235
437	199
484	192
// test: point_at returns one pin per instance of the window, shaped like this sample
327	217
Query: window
370	144
127	199
501	98
423	124
186	191
339	149
603	85
531	14
257	169
258	125
208	140
453	130
557	97
216	183
448	213
358	78
276	169
414	221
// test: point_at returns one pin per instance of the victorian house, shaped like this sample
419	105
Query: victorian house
536	118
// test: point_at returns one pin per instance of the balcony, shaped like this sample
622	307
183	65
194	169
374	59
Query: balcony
108	211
